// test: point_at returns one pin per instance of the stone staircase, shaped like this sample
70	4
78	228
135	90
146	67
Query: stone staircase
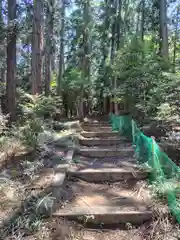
103	184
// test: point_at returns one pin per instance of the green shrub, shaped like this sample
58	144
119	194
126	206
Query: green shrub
44	107
29	132
3	122
137	72
165	111
30	106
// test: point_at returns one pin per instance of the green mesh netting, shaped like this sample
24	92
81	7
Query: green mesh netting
165	173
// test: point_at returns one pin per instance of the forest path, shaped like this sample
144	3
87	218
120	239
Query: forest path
104	186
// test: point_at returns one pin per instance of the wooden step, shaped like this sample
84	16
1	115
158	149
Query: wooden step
104	215
101	141
102	124
106	152
96	121
81	162
97	128
105	204
108	174
99	134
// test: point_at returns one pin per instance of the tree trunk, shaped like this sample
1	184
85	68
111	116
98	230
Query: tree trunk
175	39
113	38
137	24
119	37
11	60
142	19
105	43
105	37
86	67
53	68
49	36
119	22
85	61
163	30
61	54
105	105
81	104
111	105
37	47
115	44
2	46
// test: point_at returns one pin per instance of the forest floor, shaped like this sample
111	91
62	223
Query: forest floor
25	188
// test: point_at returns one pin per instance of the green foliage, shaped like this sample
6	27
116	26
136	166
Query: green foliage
53	82
3	124
36	106
2	88
140	78
167	91
165	111
44	107
29	133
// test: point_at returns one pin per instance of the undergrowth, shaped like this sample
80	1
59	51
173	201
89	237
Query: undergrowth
29	217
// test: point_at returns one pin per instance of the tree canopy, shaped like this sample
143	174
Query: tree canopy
94	55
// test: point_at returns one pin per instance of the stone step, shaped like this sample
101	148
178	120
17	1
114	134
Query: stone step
99	134
104	203
108	174
106	152
101	141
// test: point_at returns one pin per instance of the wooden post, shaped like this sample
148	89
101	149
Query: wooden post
133	130
155	162
111	105
153	150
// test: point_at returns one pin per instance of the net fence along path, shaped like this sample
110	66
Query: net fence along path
165	173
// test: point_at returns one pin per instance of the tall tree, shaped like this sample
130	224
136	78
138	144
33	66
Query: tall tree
142	19
37	47
176	37
113	44
85	57
163	30
49	39
105	49
61	53
11	60
2	45
118	39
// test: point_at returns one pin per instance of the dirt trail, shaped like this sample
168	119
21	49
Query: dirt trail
91	197
115	208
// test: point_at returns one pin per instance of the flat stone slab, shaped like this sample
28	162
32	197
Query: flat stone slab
54	176
47	178
58	179
58	159
98	134
106	152
44	179
104	203
108	174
